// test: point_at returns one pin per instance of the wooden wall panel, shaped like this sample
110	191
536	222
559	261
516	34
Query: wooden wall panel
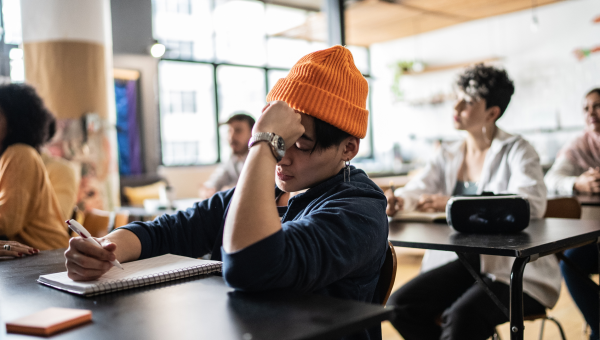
372	21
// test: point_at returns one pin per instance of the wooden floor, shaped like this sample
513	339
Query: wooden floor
565	311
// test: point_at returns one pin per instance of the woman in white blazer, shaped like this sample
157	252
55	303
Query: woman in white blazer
444	302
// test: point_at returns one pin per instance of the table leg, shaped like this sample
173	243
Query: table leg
463	258
598	246
516	298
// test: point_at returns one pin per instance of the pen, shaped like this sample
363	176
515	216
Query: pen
81	231
392	186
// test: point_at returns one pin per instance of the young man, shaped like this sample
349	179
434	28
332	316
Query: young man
329	240
227	174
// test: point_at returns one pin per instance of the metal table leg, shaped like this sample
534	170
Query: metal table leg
516	298
479	279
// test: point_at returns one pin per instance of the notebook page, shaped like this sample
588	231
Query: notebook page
151	266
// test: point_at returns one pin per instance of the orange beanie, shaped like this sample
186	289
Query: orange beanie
327	85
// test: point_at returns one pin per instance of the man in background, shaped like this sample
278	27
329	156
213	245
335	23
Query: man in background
227	174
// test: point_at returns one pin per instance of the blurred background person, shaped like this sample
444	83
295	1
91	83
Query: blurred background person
29	210
488	159
227	173
577	167
577	170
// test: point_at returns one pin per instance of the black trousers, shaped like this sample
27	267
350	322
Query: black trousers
447	303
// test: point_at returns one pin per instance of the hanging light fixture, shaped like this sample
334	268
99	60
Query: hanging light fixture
535	24
157	50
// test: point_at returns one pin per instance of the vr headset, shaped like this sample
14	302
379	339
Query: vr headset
488	213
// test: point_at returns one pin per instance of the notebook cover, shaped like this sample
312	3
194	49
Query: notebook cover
49	321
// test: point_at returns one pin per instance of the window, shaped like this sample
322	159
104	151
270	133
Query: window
223	56
187	36
179	49
181	102
187	119
240	32
240	89
174	6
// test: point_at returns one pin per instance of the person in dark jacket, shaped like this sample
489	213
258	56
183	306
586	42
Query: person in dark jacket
330	239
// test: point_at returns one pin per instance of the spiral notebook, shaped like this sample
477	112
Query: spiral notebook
136	274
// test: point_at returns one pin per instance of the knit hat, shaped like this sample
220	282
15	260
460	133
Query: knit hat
327	85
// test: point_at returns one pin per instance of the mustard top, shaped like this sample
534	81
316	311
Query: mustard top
65	182
29	209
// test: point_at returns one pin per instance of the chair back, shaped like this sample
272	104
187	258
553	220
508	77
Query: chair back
136	195
387	275
563	207
97	222
121	219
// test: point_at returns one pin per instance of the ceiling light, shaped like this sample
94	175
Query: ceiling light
535	25
157	50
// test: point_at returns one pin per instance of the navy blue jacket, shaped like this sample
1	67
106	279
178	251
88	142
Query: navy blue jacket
332	242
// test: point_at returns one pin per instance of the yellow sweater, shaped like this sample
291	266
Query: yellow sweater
29	209
65	182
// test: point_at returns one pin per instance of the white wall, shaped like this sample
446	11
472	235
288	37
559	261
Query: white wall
550	83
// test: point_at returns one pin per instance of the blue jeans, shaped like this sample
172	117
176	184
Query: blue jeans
586	298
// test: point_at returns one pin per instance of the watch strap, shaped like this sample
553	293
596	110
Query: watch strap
268	137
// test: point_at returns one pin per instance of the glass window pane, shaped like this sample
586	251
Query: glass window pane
240	89
365	143
279	18
240	32
274	76
361	58
285	52
185	28
11	14
317	46
187	115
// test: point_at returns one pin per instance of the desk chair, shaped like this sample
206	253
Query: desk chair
136	195
560	207
121	219
96	222
563	207
387	275
100	222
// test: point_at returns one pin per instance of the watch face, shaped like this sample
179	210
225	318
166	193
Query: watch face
280	144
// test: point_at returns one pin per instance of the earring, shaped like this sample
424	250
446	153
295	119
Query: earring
347	170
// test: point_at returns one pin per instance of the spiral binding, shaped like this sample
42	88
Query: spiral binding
113	286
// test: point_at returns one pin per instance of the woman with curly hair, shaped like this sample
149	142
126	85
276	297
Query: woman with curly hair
444	301
29	210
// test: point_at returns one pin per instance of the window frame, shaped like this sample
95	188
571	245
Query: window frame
215	63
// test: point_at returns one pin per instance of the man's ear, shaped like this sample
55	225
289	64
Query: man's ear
493	113
350	147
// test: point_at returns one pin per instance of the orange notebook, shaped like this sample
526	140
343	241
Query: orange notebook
49	321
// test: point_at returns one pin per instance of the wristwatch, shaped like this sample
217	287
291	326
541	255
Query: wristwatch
276	142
